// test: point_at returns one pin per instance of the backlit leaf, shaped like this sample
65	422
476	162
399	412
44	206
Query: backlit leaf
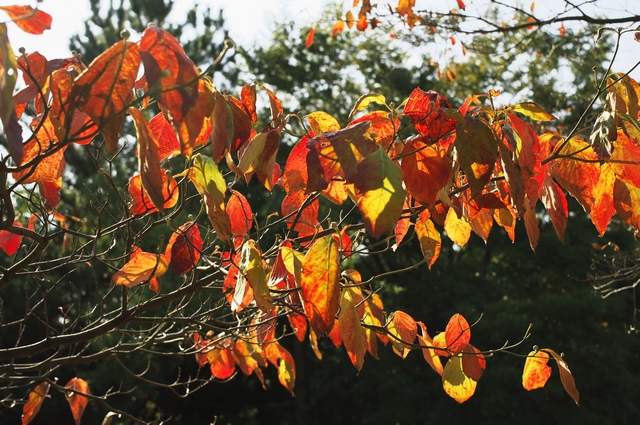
429	353
380	194
28	19
429	238
477	152
304	221
625	159
457	333
184	247
10	242
168	144
252	269
104	90
221	363
579	172
77	402
425	172
365	100
533	111
403	331
310	35
294	176
34	402
148	159
456	384
458	230
259	157
536	370
141	203
286	369
142	267
382	129
211	185
604	207
320	283
240	214
353	336
337	154
426	110
322	122
174	80
627	203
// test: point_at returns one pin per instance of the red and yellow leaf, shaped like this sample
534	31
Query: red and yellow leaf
457	333
240	214
403	330
353	335
425	172
320	283
252	269
104	90
429	238
221	363
380	192
34	402
426	110
536	371
455	382
140	201
77	402
143	267
304	221
429	354
184	247
28	19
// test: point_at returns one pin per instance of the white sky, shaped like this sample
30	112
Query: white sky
251	20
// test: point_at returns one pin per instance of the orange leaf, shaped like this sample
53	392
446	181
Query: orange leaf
184	247
310	35
429	354
457	333
148	160
320	283
536	371
240	214
221	363
627	203
32	407
429	237
10	242
306	220
28	19
286	369
259	157
142	267
380	192
77	402
426	110
141	203
403	330
426	164
625	159
174	80
604	207
294	176
578	172
252	269
41	150
105	89
338	27
353	335
168	143
461	4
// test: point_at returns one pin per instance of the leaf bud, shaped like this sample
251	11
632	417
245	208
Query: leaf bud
125	34
22	50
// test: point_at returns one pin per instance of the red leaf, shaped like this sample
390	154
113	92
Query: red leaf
148	160
176	83
461	4
105	89
320	283
77	402
426	112
184	247
425	165
306	220
294	176
168	144
222	363
477	152
625	159
28	19
240	214
141	203
32	407
556	204
310	35
457	333
10	242
381	128
627	203
248	97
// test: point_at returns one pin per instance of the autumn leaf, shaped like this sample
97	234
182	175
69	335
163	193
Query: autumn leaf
184	247
140	201
533	111
457	333
240	214
426	110
425	165
568	383
259	157
28	19
405	7
429	238
625	159
320	283
353	335
430	355
380	193
403	331
458	230
174	80
626	200
168	143
148	160
305	220
477	152
211	185
337	154
455	382
104	91
143	267
77	402
252	269
286	369
8	78
536	370
310	35
34	402
221	363
10	242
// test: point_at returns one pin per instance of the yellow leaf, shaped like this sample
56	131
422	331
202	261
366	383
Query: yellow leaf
143	267
322	122
536	371
533	111
455	383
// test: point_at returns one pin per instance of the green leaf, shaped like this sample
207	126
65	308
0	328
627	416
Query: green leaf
365	100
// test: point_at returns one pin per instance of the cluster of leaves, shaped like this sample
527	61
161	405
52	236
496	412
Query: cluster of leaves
395	173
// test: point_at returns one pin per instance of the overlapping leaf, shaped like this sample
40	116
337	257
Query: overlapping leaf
477	152
10	242
429	238
142	267
104	90
427	112
425	172
320	283
184	247
140	201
